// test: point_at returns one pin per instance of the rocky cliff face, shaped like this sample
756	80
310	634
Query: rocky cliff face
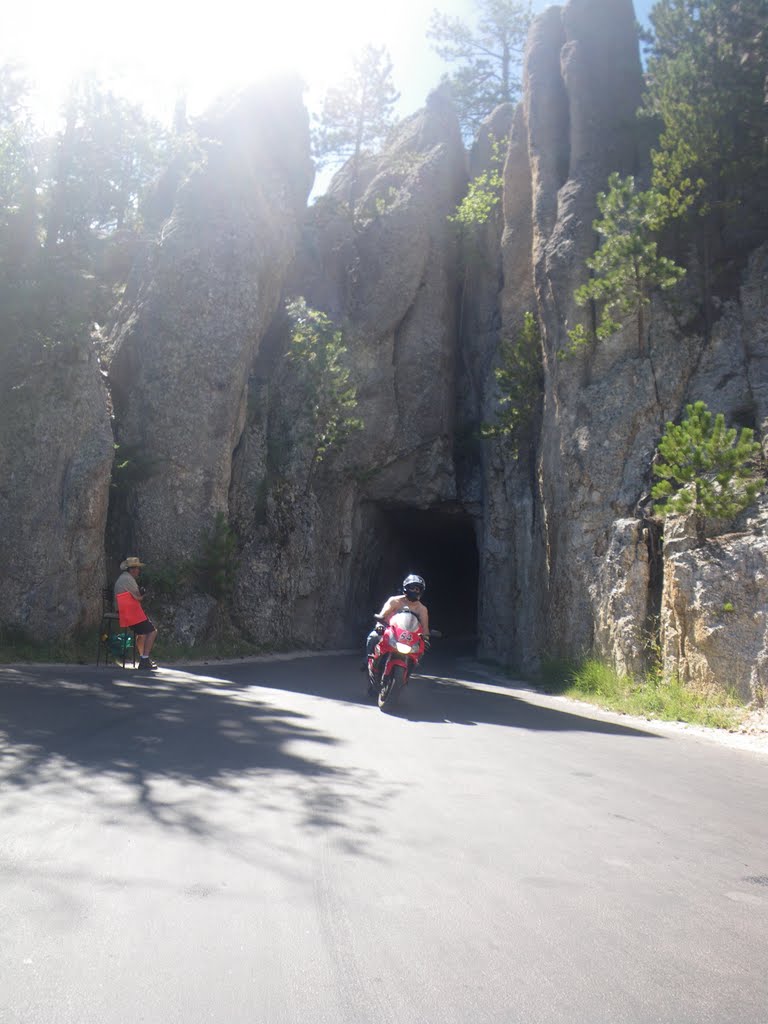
387	274
714	614
714	625
55	463
195	312
591	412
548	519
545	550
595	563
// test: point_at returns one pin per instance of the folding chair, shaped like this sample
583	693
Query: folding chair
114	639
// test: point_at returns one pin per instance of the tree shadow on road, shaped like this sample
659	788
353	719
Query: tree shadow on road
220	729
443	692
469	701
168	746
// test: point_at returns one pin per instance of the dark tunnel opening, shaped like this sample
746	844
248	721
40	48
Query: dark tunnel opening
438	544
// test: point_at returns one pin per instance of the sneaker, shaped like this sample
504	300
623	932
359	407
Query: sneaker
147	664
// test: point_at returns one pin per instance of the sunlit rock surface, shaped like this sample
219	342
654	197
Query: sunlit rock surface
569	566
193	316
714	615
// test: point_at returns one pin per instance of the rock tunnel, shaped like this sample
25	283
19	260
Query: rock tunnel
437	543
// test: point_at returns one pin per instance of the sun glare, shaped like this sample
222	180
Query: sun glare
154	51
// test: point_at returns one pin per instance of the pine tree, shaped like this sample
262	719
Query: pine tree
488	57
18	213
17	167
520	380
63	201
103	161
706	86
705	468
317	353
357	114
485	190
706	81
627	266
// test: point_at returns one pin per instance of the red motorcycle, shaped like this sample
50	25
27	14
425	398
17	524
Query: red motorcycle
401	647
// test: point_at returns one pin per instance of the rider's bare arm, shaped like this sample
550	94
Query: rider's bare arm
424	617
391	605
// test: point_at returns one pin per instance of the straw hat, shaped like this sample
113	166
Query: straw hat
131	563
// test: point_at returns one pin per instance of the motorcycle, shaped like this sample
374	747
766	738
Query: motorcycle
400	648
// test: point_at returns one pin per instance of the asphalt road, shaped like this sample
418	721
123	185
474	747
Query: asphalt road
254	844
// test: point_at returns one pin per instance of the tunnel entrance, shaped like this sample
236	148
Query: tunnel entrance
438	544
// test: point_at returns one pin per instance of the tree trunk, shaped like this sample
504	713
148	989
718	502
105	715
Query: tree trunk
641	329
61	170
699	517
358	150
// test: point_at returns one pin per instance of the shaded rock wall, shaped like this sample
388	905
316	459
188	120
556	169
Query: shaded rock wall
754	337
403	308
513	547
388	277
55	463
498	488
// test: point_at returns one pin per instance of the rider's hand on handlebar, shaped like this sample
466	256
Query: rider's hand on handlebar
427	643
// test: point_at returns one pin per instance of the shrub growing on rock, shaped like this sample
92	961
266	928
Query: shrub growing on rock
705	468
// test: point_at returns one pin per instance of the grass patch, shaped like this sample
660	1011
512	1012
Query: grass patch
652	697
16	646
166	652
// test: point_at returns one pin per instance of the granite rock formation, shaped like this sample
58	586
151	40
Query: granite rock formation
55	462
387	273
595	564
545	549
193	316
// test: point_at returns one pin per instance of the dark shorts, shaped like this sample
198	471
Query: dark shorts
142	628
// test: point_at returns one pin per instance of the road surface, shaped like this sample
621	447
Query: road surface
254	844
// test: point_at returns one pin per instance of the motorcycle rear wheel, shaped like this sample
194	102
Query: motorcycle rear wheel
391	686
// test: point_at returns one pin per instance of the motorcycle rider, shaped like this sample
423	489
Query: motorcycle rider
413	591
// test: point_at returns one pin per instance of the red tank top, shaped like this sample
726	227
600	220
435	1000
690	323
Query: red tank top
129	609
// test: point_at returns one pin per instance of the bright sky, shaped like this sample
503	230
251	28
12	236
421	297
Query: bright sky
157	48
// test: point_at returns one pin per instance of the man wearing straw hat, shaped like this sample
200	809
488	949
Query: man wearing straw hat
128	598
